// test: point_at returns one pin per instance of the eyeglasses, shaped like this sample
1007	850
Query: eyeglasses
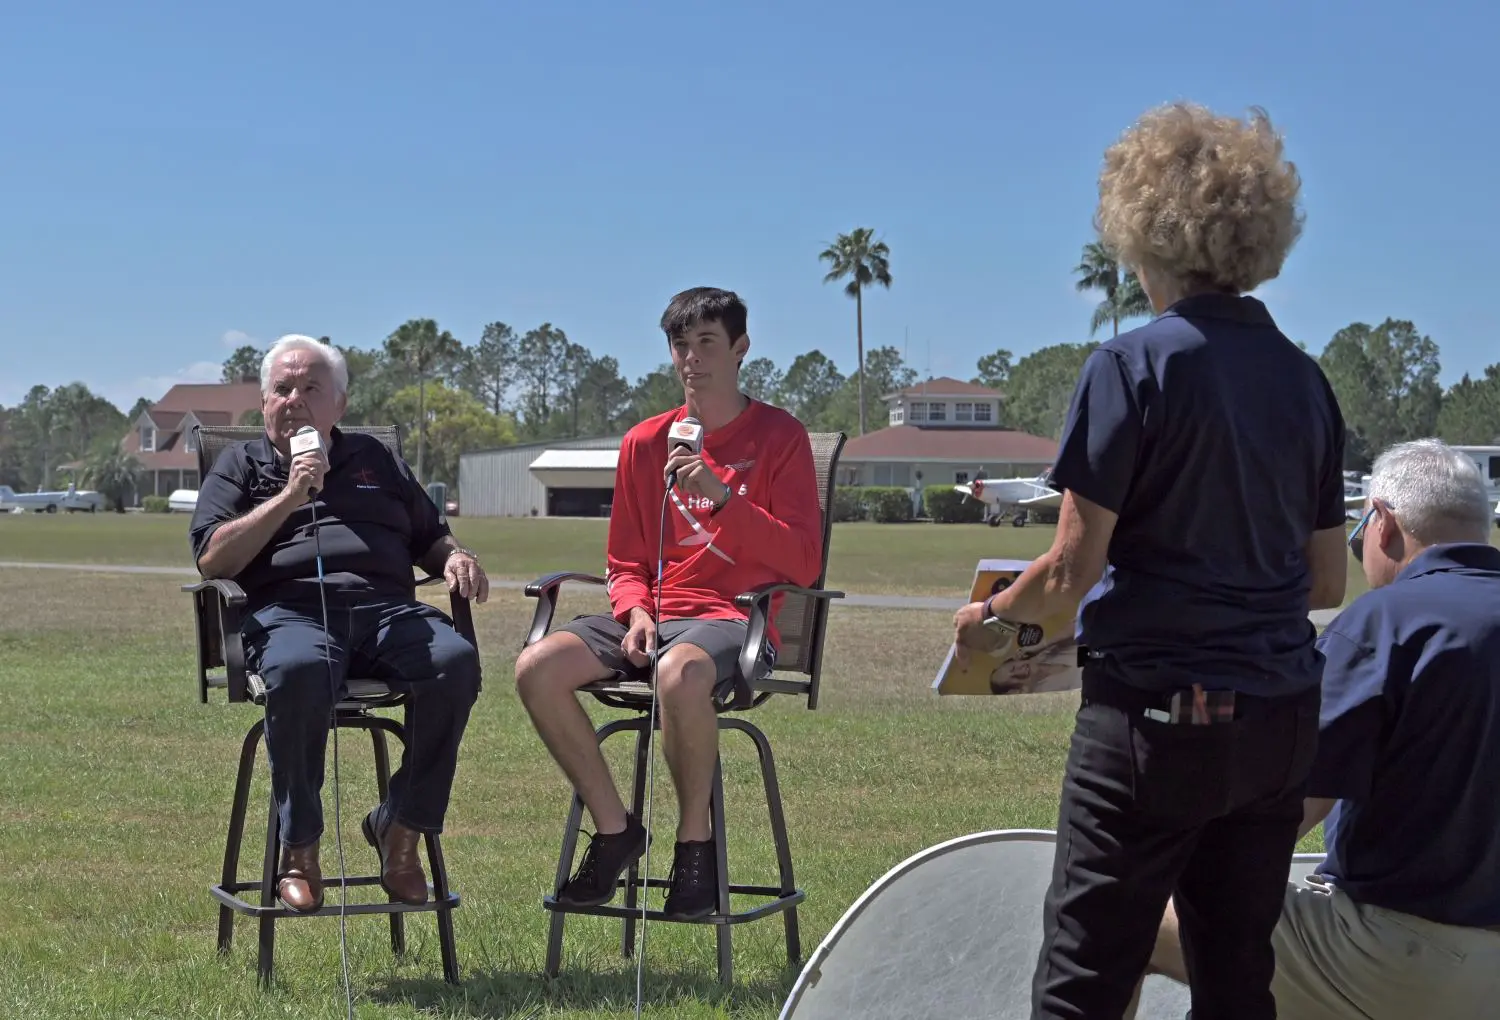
1357	537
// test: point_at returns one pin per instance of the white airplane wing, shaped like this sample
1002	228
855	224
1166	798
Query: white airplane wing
1049	499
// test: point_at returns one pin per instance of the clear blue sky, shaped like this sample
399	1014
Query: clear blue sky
178	175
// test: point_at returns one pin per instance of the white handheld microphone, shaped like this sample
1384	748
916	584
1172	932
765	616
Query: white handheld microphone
687	434
307	440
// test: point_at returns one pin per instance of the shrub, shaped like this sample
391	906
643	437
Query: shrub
155	504
887	504
948	507
848	503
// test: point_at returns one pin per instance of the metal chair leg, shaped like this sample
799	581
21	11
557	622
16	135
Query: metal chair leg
778	836
721	853
236	835
564	868
638	808
268	893
446	942
382	787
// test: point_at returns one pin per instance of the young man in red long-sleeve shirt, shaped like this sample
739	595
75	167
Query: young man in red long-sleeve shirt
744	513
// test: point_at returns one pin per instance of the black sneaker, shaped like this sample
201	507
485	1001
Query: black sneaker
694	887
606	859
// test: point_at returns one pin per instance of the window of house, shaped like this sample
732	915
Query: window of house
148	439
984	412
918	411
937	412
960	477
963	411
897	413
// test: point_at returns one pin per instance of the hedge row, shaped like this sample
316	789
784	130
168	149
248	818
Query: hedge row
891	504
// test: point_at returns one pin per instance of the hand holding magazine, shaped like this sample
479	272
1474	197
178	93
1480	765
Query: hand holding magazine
1021	658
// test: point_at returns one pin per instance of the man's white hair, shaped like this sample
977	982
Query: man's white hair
1436	492
331	355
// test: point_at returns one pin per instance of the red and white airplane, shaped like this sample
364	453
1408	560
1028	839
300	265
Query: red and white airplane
1014	496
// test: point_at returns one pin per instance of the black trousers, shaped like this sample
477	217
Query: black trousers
398	640
1151	810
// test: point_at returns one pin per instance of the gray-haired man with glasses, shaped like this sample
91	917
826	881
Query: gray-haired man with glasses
1403	919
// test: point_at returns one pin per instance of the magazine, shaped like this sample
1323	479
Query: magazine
1024	658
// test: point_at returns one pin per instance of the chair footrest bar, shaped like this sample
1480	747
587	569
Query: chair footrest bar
227	896
778	901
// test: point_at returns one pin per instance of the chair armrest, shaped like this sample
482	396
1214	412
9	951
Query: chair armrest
544	590
758	602
461	612
218	615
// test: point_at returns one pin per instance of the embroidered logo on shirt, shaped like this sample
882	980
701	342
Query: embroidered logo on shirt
364	478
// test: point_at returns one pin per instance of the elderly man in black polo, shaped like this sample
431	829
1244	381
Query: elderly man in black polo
1403	918
254	524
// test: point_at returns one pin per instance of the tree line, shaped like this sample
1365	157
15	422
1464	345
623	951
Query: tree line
508	386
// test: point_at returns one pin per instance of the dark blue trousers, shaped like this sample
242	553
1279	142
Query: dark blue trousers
400	640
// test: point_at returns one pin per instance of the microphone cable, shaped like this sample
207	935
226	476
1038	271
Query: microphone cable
338	820
661	544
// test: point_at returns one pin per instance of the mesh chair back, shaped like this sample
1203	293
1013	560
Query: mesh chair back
800	618
212	439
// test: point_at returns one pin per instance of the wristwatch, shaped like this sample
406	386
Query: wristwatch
728	491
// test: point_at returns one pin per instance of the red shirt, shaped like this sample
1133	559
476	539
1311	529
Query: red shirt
769	531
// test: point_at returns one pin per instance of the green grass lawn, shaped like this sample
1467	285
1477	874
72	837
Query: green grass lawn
886	559
116	789
117	785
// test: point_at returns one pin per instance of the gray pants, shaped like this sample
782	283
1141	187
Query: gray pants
720	639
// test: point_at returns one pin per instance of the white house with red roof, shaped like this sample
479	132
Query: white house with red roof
943	432
162	437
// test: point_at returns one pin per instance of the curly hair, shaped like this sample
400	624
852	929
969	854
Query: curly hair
1204	199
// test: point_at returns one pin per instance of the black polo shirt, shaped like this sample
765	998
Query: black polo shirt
374	520
1220	445
1409	741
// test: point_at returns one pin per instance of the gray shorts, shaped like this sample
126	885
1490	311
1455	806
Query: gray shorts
721	639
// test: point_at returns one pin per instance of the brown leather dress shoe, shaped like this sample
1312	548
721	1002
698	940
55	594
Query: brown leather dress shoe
300	881
401	872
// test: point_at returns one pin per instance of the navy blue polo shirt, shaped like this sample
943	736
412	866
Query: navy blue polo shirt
1220	445
374	518
1409	740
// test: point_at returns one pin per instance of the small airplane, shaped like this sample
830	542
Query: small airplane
69	499
1014	496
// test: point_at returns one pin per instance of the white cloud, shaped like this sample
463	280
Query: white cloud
234	338
154	387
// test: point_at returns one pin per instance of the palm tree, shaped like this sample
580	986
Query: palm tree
1123	297
113	474
425	351
864	260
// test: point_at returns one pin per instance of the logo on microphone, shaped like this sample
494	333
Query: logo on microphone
686	431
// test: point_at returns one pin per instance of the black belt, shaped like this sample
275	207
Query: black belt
1098	687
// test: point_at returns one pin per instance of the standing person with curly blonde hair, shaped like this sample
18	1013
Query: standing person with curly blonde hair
1202	518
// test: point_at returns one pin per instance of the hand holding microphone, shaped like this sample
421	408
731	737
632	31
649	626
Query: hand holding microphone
309	463
685	467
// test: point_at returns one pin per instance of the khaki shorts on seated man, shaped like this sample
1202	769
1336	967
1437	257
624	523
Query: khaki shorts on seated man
1402	921
744	513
